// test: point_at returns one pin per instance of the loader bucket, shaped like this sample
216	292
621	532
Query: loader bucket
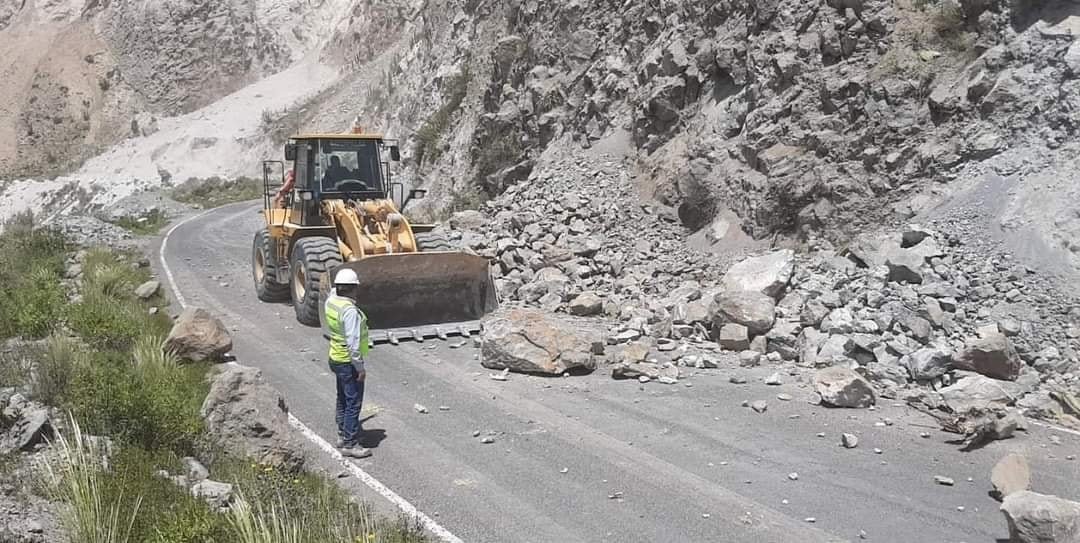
420	295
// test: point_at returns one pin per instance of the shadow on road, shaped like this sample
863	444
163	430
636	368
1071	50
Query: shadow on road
372	438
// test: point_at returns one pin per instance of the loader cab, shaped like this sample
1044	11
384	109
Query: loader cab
346	167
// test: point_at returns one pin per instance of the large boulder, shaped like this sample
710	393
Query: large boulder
1038	518
199	336
250	418
992	355
977	392
470	219
533	341
754	310
905	265
842	387
927	363
768	274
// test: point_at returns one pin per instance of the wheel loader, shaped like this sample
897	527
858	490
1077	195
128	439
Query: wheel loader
343	209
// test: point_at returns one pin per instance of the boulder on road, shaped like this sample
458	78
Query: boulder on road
842	387
652	371
199	336
768	274
1038	518
533	341
927	363
754	310
992	355
586	304
1011	474
250	418
979	392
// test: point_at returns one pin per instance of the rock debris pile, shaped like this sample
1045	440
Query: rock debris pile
915	314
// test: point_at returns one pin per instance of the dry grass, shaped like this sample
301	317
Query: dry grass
929	35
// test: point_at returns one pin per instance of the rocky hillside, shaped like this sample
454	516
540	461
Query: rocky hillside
82	75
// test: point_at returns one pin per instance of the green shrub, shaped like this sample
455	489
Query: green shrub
429	136
32	298
109	316
55	368
216	192
76	476
148	224
168	513
154	410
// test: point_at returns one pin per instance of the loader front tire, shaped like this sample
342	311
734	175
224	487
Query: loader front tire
311	258
433	241
262	255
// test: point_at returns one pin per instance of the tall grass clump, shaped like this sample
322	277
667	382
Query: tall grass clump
32	297
55	368
75	475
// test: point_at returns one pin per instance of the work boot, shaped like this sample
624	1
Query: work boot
355	451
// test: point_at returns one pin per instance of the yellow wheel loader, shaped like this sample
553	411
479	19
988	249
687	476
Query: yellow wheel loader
340	208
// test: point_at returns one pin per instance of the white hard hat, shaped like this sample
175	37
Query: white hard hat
346	277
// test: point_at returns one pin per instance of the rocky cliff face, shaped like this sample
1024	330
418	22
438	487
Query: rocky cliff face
783	117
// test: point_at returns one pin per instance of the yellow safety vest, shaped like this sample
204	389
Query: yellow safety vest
339	348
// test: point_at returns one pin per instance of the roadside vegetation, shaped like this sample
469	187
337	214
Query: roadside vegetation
100	358
145	225
216	191
930	34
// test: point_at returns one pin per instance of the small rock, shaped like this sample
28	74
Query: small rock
849	441
793	476
784	397
773	379
737	380
502	376
420	409
487	440
759	406
942	480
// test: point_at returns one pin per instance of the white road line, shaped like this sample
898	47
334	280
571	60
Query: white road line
372	483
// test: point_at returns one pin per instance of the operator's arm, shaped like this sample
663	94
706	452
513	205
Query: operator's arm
351	322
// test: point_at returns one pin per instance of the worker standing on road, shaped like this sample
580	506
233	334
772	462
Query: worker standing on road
348	346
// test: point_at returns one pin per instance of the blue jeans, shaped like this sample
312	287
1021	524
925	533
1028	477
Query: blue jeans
350	397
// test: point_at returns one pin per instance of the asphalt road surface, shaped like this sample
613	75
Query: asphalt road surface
587	458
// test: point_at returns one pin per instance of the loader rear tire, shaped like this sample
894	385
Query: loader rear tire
311	258
262	255
433	241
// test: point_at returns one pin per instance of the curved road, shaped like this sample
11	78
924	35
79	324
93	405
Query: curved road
592	459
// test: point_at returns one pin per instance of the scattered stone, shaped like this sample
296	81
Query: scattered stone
501	376
849	441
773	379
841	387
737	380
768	274
586	304
759	406
942	480
754	310
793	476
420	409
734	337
487	440
784	397
1011	474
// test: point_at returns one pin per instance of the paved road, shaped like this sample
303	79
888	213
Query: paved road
690	463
